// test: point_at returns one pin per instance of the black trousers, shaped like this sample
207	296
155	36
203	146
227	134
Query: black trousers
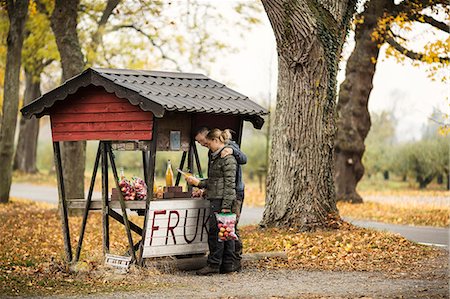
221	254
238	209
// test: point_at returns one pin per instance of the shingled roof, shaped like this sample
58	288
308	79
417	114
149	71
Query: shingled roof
157	92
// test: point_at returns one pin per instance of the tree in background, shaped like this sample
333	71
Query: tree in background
309	36
147	19
63	22
170	35
381	22
17	13
379	143
423	160
39	50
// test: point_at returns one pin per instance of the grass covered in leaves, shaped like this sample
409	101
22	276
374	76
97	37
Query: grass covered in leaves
348	249
31	252
397	213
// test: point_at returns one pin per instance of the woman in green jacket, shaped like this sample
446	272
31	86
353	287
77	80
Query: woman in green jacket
221	192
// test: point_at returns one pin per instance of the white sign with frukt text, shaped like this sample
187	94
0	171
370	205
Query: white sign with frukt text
176	227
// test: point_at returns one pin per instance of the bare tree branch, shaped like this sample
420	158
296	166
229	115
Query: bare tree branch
431	21
411	54
110	6
152	41
412	7
417	5
97	36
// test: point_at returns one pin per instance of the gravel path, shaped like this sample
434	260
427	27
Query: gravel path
252	283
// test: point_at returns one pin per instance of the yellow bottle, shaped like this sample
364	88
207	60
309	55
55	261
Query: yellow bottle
169	175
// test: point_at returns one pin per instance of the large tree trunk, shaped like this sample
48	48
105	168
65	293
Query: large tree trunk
17	12
64	26
25	158
353	113
300	191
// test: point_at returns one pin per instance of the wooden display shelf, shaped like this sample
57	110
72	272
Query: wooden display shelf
96	203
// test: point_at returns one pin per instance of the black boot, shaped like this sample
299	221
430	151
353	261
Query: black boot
228	268
210	269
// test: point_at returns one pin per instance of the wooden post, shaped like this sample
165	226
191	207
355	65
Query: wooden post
239	134
197	160
122	201
183	158
190	161
105	199
144	165
88	203
151	175
62	201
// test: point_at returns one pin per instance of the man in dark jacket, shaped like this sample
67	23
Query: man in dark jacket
232	148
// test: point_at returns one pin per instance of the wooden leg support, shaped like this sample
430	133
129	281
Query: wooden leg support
62	201
105	195
87	206
122	202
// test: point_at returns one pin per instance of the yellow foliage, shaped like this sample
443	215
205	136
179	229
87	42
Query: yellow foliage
402	23
444	130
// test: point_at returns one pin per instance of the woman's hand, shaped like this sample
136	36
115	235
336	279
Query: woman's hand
197	192
226	151
225	211
191	180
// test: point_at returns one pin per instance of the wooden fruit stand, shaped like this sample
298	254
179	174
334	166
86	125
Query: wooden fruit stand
144	111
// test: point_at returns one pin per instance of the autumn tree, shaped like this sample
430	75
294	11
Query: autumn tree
17	14
64	23
170	35
39	51
381	22
309	36
379	143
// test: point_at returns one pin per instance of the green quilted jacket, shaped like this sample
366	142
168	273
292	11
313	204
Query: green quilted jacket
221	181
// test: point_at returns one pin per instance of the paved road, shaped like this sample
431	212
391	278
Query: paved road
420	234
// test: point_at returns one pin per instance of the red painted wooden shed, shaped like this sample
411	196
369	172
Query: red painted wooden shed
137	110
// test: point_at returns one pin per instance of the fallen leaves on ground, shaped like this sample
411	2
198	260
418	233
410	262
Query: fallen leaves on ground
412	192
396	213
32	252
348	249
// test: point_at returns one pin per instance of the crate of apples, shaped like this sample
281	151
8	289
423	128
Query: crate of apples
135	190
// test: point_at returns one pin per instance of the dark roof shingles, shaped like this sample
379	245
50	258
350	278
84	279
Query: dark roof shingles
180	91
183	92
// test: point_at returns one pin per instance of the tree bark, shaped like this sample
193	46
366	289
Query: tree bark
64	27
353	114
17	13
424	181
309	35
25	157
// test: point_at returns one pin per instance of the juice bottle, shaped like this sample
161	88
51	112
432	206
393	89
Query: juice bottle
169	175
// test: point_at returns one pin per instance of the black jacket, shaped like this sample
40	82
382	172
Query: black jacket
221	181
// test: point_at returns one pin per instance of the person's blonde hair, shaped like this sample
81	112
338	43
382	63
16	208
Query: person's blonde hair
224	136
